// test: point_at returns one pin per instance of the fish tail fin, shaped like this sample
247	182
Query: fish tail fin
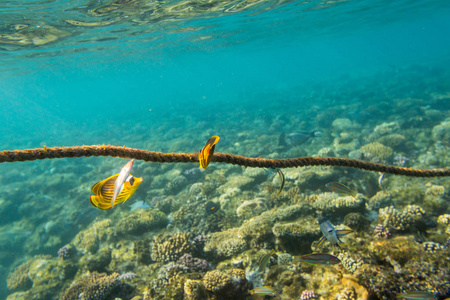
322	239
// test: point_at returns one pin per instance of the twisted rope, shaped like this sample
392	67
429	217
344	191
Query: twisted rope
159	157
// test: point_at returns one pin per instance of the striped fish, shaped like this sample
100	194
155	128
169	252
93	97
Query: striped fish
205	156
264	290
264	260
317	259
103	191
341	189
416	296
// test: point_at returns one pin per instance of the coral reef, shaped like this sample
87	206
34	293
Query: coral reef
295	237
94	286
141	221
376	152
250	208
194	289
389	217
379	200
192	264
347	294
170	248
333	203
18	279
226	284
225	244
349	262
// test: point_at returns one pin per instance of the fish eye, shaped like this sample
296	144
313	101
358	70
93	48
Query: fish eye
132	180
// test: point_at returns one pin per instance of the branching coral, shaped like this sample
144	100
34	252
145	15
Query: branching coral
92	287
170	248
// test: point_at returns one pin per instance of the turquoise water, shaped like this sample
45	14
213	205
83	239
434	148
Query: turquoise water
167	75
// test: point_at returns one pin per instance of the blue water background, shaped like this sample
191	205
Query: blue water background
285	52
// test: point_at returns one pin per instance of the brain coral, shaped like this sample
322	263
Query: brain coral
170	248
376	150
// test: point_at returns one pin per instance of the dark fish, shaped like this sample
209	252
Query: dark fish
272	170
341	189
211	207
298	138
317	259
282	182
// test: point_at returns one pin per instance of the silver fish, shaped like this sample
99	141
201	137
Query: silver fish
123	175
330	233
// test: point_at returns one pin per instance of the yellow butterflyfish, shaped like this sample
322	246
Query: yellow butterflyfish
205	156
104	191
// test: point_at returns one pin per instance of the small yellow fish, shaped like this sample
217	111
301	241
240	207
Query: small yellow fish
104	190
205	156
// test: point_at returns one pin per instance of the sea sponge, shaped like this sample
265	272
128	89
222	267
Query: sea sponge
376	150
92	287
18	279
141	221
170	248
226	243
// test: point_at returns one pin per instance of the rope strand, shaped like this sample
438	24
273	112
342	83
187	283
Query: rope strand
159	157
